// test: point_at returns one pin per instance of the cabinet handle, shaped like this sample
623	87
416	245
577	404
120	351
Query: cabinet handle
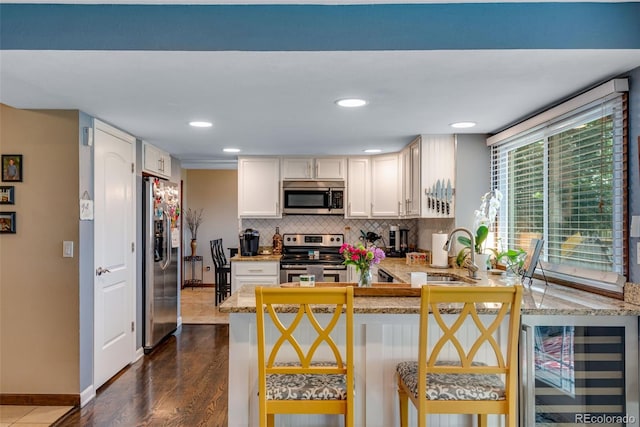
316	170
255	270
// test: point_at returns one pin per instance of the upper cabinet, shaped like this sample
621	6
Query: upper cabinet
411	184
259	187
358	189
156	161
314	168
438	172
385	186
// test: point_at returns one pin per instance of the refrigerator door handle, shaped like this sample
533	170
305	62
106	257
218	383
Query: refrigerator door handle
167	239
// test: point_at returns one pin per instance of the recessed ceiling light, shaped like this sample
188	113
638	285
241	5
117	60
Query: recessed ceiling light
200	124
351	102
462	125
373	150
231	150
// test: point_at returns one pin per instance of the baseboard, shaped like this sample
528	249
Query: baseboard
139	354
40	399
87	395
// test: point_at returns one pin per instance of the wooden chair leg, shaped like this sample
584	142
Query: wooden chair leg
404	407
270	420
482	420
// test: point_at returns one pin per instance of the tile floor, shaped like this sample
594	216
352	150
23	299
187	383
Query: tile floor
198	307
31	416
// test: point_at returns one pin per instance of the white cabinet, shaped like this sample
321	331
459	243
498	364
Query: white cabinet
254	273
156	161
313	168
411	185
385	186
358	189
438	162
259	187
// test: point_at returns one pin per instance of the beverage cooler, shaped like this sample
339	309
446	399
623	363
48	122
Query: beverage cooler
579	370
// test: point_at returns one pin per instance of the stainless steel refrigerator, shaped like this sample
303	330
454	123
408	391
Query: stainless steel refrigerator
160	274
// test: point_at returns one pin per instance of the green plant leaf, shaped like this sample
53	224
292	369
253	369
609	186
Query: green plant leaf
481	235
464	241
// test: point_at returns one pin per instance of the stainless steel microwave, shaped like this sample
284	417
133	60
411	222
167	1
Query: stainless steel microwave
313	197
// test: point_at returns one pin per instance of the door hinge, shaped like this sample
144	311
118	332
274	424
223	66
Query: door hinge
133	327
133	246
133	168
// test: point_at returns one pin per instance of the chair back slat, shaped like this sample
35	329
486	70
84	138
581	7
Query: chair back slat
469	303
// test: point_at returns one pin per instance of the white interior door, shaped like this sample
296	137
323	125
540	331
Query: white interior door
114	225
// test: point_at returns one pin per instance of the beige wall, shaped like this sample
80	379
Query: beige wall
39	289
216	192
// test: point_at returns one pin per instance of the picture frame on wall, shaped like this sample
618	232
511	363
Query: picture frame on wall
12	168
7	222
7	195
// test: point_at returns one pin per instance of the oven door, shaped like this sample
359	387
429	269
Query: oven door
288	275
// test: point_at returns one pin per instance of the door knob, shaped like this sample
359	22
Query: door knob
101	270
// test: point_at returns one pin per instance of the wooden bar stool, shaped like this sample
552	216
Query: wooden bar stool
308	374
436	384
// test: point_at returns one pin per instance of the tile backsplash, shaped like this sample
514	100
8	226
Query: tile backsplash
322	224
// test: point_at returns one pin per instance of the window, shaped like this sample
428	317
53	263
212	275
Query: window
564	181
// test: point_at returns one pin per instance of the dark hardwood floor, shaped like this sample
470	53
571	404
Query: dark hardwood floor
183	382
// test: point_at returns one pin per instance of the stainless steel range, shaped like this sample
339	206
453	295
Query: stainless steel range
312	254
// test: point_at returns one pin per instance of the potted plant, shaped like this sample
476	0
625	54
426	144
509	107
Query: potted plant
484	218
194	219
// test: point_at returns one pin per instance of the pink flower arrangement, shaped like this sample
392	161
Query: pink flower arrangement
360	256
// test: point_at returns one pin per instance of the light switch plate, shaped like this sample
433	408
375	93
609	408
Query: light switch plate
67	249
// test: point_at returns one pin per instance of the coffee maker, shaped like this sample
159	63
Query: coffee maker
394	238
249	242
404	240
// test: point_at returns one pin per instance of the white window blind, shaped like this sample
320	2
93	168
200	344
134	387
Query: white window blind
564	182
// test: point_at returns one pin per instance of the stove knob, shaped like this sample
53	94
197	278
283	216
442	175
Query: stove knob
337	239
332	239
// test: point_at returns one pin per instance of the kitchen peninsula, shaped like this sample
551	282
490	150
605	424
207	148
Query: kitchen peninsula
386	333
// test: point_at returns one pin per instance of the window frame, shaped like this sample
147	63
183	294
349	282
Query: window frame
541	128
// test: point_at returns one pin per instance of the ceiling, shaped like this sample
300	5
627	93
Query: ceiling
282	102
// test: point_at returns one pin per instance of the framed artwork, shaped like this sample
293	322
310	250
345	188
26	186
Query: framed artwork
7	222
7	195
12	167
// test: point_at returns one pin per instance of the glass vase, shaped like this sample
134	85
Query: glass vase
365	278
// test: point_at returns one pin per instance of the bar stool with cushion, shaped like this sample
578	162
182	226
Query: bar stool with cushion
461	384
222	271
301	369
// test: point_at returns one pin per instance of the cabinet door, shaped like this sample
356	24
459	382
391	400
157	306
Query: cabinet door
330	168
259	187
358	191
438	173
297	168
413	204
385	189
156	161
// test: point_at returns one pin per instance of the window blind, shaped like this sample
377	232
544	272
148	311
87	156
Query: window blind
564	182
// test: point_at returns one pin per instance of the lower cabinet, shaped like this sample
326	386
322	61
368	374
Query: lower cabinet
254	273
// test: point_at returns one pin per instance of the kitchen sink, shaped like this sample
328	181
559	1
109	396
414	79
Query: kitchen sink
444	280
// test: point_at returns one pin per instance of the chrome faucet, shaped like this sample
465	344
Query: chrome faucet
471	266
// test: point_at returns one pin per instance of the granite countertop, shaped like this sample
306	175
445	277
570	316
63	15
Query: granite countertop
554	300
268	257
